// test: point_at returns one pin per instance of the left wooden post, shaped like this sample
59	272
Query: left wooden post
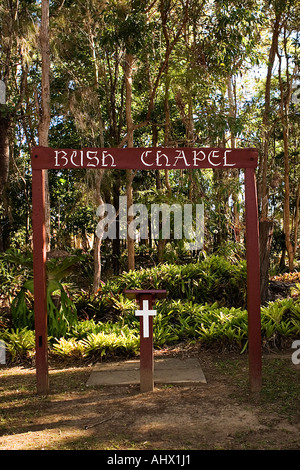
39	272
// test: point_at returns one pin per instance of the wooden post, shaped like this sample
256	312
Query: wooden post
253	282
146	343
39	269
146	348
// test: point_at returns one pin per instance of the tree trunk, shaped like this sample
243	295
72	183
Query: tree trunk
44	121
296	219
4	152
286	214
116	240
161	243
4	170
234	172
97	237
128	69
267	228
265	242
263	167
285	96
232	109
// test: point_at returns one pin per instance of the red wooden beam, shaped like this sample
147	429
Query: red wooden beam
39	270
143	158
253	282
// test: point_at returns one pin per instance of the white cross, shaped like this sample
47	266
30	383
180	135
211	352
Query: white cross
145	313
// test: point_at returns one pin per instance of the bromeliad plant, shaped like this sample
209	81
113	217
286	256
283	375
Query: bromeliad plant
214	279
62	313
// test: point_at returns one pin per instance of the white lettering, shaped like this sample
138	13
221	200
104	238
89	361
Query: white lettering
190	233
57	158
213	154
105	154
225	159
181	154
158	157
123	217
106	227
195	156
144	155
90	164
141	220
74	154
164	230
2	352
119	460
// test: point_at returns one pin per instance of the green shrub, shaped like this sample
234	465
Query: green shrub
61	315
61	310
20	343
280	321
104	305
208	324
13	275
176	321
115	340
68	348
211	280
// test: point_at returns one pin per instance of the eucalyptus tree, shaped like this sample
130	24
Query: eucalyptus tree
226	42
17	41
288	50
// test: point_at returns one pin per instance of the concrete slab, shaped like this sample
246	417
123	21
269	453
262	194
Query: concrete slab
166	371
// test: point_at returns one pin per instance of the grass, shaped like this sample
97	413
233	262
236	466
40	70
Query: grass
280	386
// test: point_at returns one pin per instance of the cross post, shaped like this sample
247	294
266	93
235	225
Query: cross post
146	300
146	314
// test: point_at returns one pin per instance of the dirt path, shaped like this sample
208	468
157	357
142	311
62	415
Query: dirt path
209	416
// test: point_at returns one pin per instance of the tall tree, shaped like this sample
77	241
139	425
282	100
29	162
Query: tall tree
128	72
285	101
265	222
44	107
16	39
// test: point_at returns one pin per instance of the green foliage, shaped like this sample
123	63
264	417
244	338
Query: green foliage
97	341
182	321
15	267
176	321
280	321
20	343
60	317
211	280
198	308
104	305
208	324
61	309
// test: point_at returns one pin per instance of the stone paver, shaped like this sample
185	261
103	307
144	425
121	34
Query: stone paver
166	371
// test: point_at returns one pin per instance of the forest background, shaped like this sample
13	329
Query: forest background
169	73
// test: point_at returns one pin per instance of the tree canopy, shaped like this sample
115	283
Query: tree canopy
174	73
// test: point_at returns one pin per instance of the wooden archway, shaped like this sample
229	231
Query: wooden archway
43	158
